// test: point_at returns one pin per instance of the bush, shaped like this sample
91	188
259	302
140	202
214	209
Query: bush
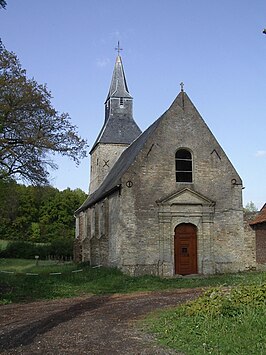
58	249
61	248
230	302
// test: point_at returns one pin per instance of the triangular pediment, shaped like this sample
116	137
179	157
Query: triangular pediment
186	197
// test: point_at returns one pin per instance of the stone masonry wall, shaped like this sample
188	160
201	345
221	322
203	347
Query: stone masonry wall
153	177
103	158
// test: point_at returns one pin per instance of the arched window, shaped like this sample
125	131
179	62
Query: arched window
183	166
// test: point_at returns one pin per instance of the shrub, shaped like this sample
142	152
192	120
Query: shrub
227	302
58	249
61	248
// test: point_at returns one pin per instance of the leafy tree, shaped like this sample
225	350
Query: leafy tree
57	214
2	4
250	207
30	128
37	213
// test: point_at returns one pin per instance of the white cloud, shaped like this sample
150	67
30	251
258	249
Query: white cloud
103	62
261	153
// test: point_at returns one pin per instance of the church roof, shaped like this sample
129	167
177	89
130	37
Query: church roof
112	182
261	217
119	127
118	87
113	179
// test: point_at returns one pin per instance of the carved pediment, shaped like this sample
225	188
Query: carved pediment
186	197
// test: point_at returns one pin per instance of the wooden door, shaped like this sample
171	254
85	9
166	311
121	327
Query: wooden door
186	249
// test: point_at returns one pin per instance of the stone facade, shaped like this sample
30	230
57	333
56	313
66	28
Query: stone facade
131	218
103	159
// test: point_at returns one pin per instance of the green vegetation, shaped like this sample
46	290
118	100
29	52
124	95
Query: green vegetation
3	244
59	248
222	321
19	287
250	207
31	130
37	213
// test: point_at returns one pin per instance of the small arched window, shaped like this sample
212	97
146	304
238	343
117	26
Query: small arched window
183	166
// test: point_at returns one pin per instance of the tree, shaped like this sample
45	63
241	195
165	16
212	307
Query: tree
37	213
30	128
250	207
2	4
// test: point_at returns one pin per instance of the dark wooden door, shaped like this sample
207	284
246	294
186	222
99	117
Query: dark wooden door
186	249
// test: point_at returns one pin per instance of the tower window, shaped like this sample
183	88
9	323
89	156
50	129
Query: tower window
183	166
121	101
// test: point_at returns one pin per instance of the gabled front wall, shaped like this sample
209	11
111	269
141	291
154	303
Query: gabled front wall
134	229
148	248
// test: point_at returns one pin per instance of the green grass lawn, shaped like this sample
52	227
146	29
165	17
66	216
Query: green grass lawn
219	322
20	287
230	321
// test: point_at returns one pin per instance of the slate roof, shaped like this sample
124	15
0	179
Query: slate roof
261	217
118	87
113	179
119	129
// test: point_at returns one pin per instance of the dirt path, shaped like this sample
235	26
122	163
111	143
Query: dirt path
85	325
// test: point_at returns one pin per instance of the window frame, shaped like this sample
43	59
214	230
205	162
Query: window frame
184	171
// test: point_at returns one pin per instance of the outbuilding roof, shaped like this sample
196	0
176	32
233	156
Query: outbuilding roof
261	217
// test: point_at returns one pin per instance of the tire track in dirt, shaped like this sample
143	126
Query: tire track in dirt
85	325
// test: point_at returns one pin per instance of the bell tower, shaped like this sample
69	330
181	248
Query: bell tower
119	129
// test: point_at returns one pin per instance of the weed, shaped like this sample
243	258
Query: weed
222	321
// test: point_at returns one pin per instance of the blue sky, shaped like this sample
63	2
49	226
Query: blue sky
215	47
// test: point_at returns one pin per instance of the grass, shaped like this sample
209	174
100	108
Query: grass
19	287
219	322
228	319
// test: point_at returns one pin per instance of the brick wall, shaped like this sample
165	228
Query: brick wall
260	231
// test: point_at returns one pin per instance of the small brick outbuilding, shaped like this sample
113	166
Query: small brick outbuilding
259	225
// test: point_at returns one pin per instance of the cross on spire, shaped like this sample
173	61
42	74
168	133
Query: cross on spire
182	86
118	48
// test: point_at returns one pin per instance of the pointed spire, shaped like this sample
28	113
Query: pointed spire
119	125
118	87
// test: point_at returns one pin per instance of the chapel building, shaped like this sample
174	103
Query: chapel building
167	201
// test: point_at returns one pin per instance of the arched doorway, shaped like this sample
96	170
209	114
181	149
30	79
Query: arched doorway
185	249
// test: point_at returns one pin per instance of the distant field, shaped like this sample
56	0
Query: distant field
19	266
